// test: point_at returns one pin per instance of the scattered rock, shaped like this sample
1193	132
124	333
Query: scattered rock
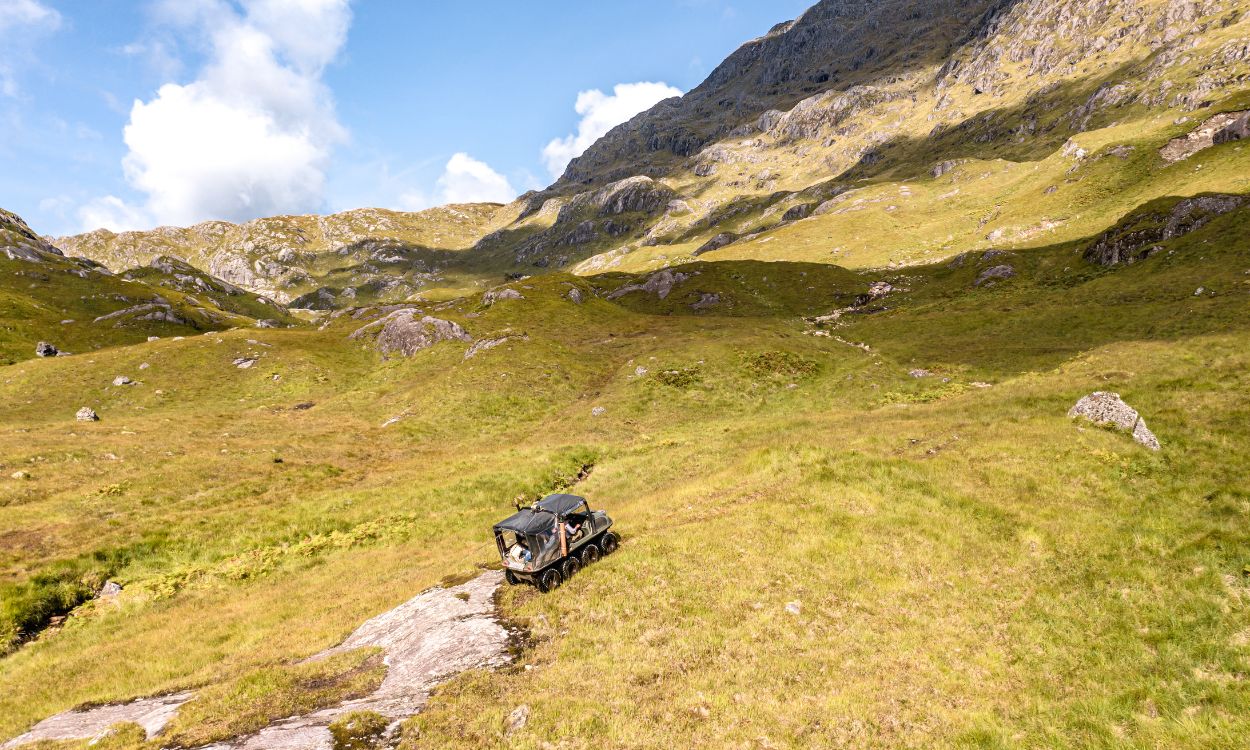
724	239
305	406
920	374
499	295
795	608
517	720
660	284
20	475
121	380
995	274
944	168
44	349
144	366
575	296
244	363
1109	409
110	589
1201	291
87	414
598	411
880	289
641	372
402	333
707	301
488	344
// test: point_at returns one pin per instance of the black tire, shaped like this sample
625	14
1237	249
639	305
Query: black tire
511	578
570	568
590	555
610	542
550	581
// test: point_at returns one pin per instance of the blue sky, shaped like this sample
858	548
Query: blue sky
133	114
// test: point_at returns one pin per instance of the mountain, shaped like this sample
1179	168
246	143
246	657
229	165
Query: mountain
983	124
78	305
909	355
363	255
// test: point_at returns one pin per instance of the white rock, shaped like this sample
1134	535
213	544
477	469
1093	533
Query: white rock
1109	409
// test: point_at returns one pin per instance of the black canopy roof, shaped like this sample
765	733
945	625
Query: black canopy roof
542	518
560	504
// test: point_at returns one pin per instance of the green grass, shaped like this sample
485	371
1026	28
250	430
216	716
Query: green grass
973	567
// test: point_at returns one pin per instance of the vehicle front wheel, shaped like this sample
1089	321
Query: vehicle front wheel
590	555
571	567
550	581
511	578
610	542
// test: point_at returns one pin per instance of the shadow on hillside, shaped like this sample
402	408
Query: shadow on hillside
1054	308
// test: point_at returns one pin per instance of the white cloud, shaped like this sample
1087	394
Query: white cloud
600	113
413	200
27	13
467	180
253	134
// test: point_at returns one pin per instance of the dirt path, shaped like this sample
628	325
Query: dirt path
428	640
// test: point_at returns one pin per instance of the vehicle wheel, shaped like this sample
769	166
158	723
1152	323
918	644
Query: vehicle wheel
550	581
571	567
610	542
590	555
511	578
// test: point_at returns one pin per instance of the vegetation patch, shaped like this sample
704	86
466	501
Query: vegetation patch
779	364
359	730
687	377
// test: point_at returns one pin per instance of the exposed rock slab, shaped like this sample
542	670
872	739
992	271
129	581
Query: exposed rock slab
150	713
660	284
1222	128
427	640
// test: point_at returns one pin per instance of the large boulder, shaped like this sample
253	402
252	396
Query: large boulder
403	333
44	349
1108	409
87	414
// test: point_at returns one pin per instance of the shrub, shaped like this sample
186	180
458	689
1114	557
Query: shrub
778	363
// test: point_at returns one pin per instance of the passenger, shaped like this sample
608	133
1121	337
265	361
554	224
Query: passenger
572	528
520	552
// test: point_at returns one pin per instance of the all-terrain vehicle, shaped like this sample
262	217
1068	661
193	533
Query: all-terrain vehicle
549	542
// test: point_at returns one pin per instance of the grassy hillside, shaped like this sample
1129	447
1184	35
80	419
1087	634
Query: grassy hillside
970	567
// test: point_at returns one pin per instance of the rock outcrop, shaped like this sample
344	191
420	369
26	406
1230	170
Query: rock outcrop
660	284
1138	236
995	274
1222	128
404	334
1108	409
18	242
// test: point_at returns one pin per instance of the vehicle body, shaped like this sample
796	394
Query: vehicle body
547	543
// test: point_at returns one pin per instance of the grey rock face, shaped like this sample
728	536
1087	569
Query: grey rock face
402	333
1103	408
575	296
44	349
1138	237
155	312
109	590
799	212
87	414
724	239
994	275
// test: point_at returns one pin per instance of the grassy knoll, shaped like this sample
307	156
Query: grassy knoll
969	567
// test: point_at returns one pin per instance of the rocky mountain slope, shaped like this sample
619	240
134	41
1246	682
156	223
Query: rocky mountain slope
931	128
360	255
53	303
